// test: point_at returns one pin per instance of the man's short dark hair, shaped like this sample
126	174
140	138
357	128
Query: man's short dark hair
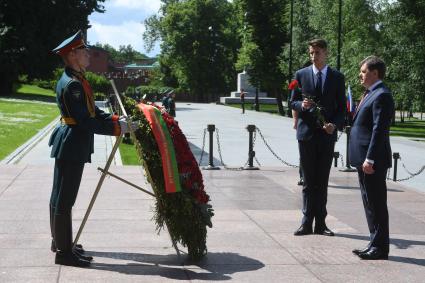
318	42
375	63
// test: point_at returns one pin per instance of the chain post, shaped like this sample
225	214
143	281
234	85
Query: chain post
251	153
396	157
347	157
336	156
211	129
203	147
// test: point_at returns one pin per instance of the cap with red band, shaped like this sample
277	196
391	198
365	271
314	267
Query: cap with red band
71	43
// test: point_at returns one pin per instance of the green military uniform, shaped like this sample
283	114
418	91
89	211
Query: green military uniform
171	106
72	144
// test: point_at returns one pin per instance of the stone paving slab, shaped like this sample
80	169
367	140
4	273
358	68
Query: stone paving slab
251	241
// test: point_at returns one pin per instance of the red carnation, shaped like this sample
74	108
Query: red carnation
293	85
187	165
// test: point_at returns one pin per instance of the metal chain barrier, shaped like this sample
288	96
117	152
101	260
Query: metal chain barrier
203	147
274	153
342	159
410	173
253	145
220	154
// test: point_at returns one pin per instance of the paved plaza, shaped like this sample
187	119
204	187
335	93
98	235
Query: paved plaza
256	214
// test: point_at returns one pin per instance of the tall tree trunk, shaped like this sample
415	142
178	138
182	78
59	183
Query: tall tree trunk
6	84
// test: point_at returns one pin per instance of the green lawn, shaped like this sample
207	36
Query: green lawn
20	120
32	92
129	155
269	108
23	118
413	128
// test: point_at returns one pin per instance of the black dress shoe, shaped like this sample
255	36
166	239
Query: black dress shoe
80	255
70	259
303	230
323	230
360	251
78	248
374	254
300	182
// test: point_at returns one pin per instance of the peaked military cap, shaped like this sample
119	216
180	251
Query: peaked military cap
71	43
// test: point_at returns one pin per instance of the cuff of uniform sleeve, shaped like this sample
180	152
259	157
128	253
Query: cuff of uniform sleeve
117	129
115	118
370	161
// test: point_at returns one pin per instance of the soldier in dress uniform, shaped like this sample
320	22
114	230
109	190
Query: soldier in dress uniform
72	145
172	104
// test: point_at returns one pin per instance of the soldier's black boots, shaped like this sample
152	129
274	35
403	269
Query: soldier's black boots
63	242
71	259
78	248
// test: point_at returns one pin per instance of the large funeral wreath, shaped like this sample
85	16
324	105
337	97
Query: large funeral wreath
186	213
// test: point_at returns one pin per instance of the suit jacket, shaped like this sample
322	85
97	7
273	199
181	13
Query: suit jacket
332	100
370	133
75	142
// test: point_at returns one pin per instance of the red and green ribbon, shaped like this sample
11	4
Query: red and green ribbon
165	145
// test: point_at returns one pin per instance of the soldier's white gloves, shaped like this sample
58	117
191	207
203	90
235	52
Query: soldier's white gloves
124	125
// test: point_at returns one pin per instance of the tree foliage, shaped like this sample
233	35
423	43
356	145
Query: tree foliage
265	35
403	29
125	53
30	29
199	45
205	42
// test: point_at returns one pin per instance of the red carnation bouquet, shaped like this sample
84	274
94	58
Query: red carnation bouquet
294	85
190	175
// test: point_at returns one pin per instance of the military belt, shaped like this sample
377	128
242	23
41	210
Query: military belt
68	121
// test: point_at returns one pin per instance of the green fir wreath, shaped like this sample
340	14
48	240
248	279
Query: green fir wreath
187	213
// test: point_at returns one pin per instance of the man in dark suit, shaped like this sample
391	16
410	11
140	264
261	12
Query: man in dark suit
370	153
318	85
72	145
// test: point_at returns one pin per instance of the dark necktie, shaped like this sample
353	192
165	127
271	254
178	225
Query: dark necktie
319	83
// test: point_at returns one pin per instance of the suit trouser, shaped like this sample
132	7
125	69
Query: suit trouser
373	189
66	183
316	160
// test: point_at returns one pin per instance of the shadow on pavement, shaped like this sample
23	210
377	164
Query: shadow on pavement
215	266
399	243
186	109
358	188
197	152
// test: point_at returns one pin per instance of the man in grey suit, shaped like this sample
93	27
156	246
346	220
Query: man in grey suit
370	153
318	84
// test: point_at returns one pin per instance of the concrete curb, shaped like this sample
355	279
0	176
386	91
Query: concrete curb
20	152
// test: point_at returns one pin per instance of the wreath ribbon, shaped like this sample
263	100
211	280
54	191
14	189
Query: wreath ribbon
166	147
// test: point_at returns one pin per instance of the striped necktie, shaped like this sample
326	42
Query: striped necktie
364	95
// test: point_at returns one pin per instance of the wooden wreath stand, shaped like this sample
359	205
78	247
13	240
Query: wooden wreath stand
105	171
